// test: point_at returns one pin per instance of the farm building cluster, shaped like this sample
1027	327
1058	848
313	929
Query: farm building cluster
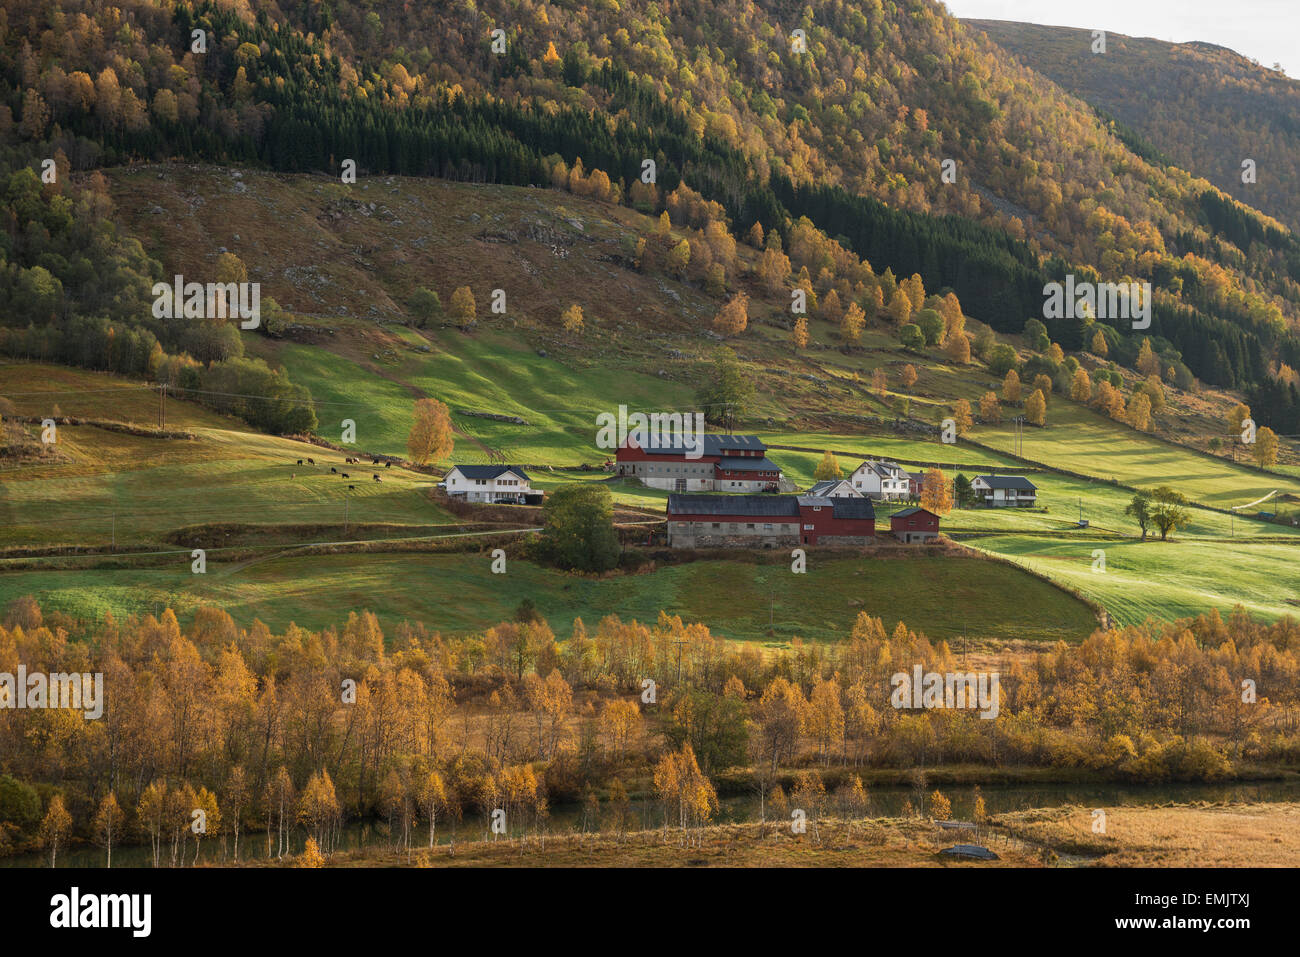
832	512
720	463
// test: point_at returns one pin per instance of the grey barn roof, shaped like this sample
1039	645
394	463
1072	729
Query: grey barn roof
714	444
490	471
737	463
767	506
755	506
1008	482
905	512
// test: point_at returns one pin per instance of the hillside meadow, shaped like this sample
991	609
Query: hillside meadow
942	596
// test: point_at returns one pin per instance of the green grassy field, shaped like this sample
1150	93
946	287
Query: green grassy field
458	593
1080	440
1164	579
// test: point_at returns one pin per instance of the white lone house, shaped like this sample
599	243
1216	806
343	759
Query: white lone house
881	480
1005	491
490	483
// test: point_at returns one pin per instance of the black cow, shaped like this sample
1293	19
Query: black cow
388	465
311	461
345	475
334	470
378	479
300	461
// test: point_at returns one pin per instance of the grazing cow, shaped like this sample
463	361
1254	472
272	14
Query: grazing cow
378	479
311	461
345	475
300	461
334	470
388	465
374	461
352	488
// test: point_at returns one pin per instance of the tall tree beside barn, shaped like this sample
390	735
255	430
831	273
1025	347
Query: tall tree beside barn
431	438
934	492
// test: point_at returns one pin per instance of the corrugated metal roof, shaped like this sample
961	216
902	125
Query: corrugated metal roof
714	444
490	471
1008	481
736	463
751	506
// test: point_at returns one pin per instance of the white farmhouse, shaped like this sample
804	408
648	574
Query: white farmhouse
1003	491
881	480
490	483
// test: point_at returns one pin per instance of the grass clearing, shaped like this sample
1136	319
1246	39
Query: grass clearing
943	597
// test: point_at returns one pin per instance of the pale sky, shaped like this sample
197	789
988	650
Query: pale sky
1265	30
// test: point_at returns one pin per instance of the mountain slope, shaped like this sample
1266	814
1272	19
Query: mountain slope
1202	106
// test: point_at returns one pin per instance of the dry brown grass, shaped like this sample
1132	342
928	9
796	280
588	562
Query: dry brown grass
879	843
1234	835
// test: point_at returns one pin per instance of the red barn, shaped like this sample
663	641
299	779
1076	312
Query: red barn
914	525
746	521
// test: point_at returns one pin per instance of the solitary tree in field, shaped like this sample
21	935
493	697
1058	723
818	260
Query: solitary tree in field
1167	511
572	320
1036	408
726	391
1265	447
464	310
1139	509
908	376
828	468
940	807
431	435
425	305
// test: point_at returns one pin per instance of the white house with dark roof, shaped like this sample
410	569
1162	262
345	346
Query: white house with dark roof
490	483
882	480
1005	491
